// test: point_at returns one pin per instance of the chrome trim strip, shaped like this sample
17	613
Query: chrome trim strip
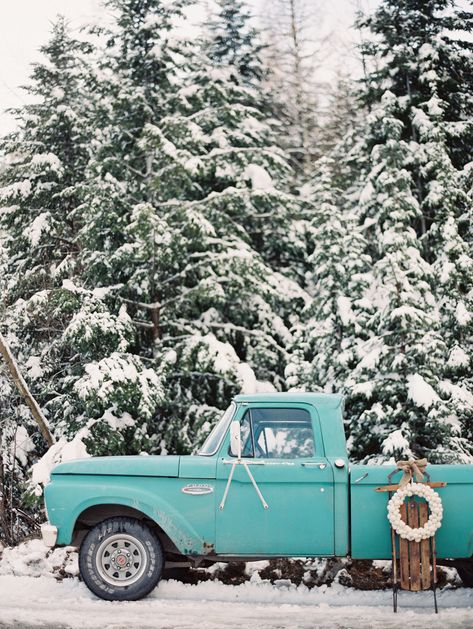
248	461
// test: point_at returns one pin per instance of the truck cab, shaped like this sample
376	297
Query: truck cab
294	447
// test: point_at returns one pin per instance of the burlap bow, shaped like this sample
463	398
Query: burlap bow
411	469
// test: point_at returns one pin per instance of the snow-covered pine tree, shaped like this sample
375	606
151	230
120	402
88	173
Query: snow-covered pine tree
44	164
164	285
235	43
68	330
118	378
418	50
207	255
139	60
331	328
409	33
246	141
395	408
449	243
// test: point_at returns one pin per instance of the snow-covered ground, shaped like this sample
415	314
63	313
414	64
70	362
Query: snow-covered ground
32	596
45	602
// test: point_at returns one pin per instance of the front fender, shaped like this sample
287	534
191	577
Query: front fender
70	496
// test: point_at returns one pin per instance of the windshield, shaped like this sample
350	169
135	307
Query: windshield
212	443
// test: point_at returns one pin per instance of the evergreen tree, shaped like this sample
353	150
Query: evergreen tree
449	242
45	161
406	35
120	379
235	44
205	247
326	341
175	233
411	199
67	329
40	180
400	411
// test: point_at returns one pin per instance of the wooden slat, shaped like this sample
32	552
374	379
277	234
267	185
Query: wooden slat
404	554
414	547
424	548
395	570
396	487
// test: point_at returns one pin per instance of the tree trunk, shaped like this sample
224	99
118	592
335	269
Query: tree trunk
25	392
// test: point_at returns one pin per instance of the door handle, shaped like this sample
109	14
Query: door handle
320	465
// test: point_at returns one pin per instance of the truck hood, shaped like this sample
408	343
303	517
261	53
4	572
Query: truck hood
122	466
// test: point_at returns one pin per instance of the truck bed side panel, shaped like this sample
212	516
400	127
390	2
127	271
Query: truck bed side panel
370	531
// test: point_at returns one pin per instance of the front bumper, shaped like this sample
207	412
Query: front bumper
49	534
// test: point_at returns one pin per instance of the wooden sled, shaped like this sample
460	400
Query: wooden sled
414	563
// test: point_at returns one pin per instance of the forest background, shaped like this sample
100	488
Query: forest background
183	218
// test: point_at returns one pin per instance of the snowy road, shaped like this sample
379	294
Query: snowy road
43	602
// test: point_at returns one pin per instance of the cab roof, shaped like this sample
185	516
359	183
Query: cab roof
332	400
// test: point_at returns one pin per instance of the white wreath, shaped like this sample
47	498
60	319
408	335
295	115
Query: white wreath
435	506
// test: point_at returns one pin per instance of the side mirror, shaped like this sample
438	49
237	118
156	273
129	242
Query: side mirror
235	439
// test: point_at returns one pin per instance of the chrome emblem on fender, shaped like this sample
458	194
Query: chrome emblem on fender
197	490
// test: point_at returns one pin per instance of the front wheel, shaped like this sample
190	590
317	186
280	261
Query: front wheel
121	559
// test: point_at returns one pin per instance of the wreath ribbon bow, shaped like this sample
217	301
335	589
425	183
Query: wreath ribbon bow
412	469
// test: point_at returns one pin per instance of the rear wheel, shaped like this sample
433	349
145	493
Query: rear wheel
121	559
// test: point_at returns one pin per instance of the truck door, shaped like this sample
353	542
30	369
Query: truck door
282	443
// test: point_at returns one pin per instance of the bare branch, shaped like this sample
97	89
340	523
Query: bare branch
25	392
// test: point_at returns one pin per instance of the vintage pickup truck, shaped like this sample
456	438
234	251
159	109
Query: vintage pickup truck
271	480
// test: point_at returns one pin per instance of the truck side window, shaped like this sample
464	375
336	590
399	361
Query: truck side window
277	433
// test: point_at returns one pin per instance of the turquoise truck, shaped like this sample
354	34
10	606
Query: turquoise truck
272	480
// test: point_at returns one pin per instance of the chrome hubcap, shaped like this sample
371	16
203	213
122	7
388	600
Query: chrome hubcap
121	559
